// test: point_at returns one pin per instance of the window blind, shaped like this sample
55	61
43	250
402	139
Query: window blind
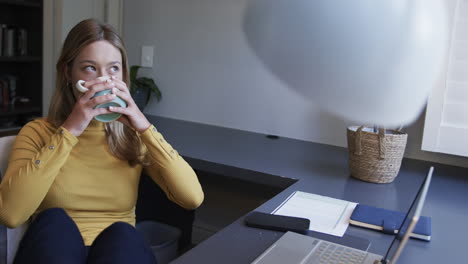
446	124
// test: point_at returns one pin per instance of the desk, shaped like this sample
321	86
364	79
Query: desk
323	170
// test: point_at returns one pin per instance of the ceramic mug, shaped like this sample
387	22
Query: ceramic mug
118	102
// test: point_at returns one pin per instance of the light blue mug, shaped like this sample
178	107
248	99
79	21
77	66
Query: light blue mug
118	102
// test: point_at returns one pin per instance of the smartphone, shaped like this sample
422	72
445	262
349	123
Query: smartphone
277	222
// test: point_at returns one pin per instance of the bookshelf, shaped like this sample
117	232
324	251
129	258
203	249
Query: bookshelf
21	36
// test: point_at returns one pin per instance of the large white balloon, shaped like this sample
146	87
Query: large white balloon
369	61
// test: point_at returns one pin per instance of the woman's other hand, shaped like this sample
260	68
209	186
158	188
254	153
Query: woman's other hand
131	115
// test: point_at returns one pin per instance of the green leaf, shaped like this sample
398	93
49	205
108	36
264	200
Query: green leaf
133	72
151	86
142	83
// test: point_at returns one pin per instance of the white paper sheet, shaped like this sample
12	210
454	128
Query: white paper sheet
327	215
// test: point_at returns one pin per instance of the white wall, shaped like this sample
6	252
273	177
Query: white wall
208	74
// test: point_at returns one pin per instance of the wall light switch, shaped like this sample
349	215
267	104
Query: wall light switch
147	53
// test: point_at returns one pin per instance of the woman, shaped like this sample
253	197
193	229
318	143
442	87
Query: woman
78	177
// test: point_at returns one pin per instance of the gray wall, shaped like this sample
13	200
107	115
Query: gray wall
208	74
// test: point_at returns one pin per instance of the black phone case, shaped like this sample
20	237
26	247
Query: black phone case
277	222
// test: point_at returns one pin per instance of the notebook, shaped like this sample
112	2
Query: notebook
388	221
297	248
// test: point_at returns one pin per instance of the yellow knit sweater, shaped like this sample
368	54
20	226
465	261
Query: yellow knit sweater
49	167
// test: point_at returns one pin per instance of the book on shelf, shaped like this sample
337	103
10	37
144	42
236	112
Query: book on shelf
4	94
13	40
8	84
21	42
2	26
9	47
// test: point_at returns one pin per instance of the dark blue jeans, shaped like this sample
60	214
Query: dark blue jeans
53	237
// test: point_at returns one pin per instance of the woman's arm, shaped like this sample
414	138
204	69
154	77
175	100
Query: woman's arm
35	160
167	168
171	172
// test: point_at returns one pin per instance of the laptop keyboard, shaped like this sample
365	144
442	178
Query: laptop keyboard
329	253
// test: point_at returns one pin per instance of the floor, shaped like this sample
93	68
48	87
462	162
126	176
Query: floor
226	199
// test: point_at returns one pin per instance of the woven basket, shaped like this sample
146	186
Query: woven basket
375	157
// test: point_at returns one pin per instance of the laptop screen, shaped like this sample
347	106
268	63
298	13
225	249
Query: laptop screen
410	221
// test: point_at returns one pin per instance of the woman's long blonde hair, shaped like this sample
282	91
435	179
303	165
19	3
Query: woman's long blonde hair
123	141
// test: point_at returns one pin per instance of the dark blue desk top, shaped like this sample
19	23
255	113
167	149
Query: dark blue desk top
320	169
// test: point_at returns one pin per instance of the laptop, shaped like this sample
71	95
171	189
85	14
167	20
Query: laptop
297	248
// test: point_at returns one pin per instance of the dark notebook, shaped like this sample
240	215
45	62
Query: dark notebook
388	221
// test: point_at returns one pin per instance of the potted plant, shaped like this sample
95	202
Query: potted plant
141	88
